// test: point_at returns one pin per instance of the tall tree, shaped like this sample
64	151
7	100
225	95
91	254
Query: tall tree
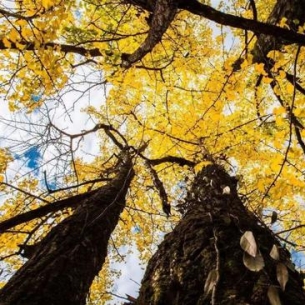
184	82
62	266
217	252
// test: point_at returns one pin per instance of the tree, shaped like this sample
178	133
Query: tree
62	266
175	99
201	261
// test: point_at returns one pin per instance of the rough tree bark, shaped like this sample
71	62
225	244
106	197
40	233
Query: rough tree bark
271	36
63	265
207	241
164	11
293	11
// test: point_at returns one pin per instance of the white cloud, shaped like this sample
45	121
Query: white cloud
21	130
132	272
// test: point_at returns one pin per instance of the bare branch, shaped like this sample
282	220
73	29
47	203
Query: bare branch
15	15
291	229
161	190
24	192
30	46
254	10
43	211
163	14
172	159
208	12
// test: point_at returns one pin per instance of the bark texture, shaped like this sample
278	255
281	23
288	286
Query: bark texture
164	11
63	265
208	238
163	14
294	12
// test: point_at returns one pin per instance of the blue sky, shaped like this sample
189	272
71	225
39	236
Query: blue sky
33	156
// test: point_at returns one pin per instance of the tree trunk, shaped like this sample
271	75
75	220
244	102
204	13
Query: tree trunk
206	243
293	11
63	265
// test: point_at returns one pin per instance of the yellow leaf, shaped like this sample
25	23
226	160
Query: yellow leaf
12	106
290	88
275	55
6	43
261	186
14	35
279	110
198	167
26	32
20	46
244	64
298	111
277	90
279	121
282	74
27	56
267	80
46	3
21	22
260	69
283	23
276	164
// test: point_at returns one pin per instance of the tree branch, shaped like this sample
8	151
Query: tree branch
15	15
172	159
43	211
291	229
163	14
161	190
292	10
208	12
30	46
242	23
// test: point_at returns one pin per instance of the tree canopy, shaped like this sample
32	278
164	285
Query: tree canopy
180	83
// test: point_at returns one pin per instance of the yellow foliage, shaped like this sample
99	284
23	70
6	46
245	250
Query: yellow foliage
260	68
5	158
183	98
201	165
6	42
